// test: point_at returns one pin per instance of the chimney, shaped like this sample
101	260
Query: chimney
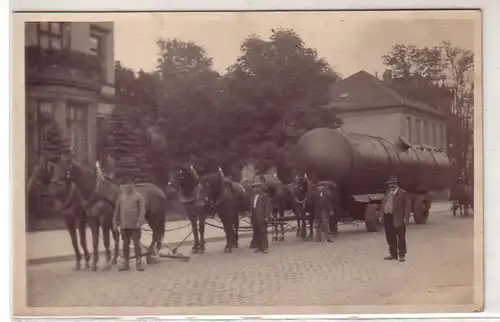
387	76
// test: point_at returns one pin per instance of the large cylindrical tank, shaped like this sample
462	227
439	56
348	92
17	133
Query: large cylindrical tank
361	164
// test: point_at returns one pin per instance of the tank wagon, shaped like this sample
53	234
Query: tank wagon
361	164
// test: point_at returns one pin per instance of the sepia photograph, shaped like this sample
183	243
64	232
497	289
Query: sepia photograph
259	162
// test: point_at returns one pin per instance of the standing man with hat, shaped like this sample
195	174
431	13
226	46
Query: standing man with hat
261	210
396	207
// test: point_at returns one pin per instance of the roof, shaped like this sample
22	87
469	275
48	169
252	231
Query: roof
363	91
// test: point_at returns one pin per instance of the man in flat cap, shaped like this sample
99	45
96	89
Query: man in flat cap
129	216
261	211
396	207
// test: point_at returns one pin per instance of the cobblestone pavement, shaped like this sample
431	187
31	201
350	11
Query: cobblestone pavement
350	271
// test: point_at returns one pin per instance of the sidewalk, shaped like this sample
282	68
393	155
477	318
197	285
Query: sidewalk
55	246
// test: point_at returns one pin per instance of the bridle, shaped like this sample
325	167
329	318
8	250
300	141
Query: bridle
303	201
175	184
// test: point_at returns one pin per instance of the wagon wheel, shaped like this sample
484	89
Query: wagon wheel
421	210
373	220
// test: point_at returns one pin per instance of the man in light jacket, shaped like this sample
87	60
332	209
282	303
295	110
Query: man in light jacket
396	207
129	216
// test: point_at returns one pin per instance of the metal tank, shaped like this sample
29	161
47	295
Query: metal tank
361	164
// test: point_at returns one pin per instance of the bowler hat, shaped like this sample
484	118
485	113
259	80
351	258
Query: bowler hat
392	179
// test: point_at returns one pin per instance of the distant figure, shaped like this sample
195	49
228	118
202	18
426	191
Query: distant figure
129	216
396	208
261	211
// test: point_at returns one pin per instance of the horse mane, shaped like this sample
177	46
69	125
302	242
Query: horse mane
81	175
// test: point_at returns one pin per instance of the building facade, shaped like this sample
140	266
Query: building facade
369	106
69	68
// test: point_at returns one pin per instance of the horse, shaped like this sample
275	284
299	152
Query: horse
308	199
281	200
228	199
186	181
106	191
97	212
462	199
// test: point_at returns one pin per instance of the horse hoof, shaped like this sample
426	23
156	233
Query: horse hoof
77	267
194	250
227	250
94	267
114	261
152	260
86	265
201	251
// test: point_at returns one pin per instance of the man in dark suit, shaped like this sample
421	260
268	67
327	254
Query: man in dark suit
396	207
261	211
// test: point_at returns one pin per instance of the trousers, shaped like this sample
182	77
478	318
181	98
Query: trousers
395	237
260	233
131	235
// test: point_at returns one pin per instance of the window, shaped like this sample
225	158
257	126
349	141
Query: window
77	129
98	47
417	131
426	132
433	138
50	35
44	118
409	128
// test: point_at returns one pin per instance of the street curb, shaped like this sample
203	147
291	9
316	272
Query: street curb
65	258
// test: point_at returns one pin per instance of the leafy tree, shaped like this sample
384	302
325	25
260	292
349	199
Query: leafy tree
438	76
274	93
188	108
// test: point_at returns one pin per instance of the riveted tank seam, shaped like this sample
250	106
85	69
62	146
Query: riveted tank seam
353	158
373	138
391	168
419	167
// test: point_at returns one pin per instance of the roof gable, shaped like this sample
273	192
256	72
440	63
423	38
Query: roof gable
364	91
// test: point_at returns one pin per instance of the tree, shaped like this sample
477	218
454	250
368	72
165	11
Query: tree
54	144
188	103
275	92
127	145
439	76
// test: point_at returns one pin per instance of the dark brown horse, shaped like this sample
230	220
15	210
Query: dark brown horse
462	196
186	182
305	198
281	200
156	205
228	199
98	214
309	199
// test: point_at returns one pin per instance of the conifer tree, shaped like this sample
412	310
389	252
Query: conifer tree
54	144
127	145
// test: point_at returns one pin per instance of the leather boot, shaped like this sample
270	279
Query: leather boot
124	266
139	265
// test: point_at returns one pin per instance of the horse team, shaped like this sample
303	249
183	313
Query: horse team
203	196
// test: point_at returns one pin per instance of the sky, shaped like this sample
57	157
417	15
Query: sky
349	41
